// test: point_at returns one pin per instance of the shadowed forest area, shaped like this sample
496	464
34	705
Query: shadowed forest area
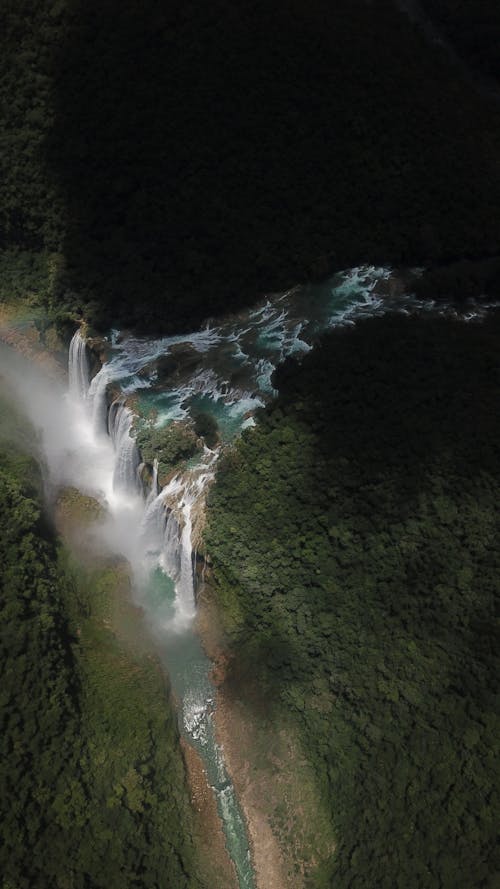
473	29
162	162
354	539
92	783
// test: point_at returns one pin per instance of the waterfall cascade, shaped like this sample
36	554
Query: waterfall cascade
169	517
127	458
153	493
78	366
224	371
98	398
216	378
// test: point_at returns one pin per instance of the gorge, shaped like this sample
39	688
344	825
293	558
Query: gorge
154	517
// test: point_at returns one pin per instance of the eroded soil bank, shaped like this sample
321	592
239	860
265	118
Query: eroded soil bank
275	784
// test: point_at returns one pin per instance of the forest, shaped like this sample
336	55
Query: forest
92	785
161	163
353	539
166	162
473	29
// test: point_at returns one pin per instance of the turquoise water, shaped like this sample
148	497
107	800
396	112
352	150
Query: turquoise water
226	371
189	671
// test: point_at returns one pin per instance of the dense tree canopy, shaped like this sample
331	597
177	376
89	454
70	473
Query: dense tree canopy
473	29
354	540
164	162
92	785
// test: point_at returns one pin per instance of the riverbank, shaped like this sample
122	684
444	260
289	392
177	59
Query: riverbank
218	867
274	782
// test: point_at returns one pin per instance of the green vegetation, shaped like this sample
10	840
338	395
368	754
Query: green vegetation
354	541
460	281
23	276
171	445
472	28
92	784
206	425
75	508
166	162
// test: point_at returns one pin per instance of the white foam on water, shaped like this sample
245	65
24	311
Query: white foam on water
264	371
248	423
245	404
194	717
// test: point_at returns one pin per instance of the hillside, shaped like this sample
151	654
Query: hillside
354	541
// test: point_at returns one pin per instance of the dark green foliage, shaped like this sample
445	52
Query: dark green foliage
207	426
92	787
171	444
473	28
179	158
23	274
460	281
354	538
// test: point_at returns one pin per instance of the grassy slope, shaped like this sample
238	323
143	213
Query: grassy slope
93	789
354	537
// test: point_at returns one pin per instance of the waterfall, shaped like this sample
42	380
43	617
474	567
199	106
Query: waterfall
153	524
91	392
127	458
98	398
225	372
171	551
176	556
166	526
78	367
184	589
154	483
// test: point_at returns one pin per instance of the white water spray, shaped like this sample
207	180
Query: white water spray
163	537
78	367
98	401
127	458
